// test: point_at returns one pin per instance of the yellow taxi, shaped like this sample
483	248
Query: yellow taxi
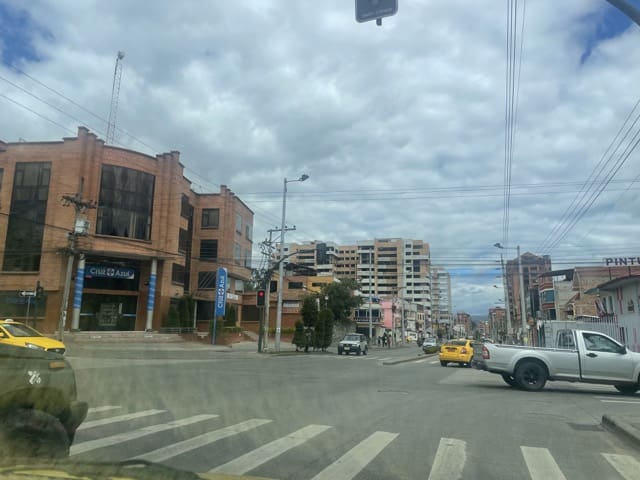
459	351
21	335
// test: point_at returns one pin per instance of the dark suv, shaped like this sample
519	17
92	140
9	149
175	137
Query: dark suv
39	410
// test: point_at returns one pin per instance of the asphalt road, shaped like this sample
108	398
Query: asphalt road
324	416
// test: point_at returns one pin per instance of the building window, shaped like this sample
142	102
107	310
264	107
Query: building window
209	250
186	210
238	223
210	217
126	203
237	254
631	306
184	242
248	229
25	229
177	274
206	280
247	258
295	285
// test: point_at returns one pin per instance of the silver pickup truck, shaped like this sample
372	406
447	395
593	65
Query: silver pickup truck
578	356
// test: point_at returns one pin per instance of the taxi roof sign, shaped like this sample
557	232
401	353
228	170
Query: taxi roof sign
367	10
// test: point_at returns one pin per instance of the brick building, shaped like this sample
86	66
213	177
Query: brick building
150	238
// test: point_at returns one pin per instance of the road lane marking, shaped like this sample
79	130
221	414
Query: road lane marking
433	362
620	401
625	465
87	446
104	408
449	460
179	448
119	418
541	464
255	458
352	462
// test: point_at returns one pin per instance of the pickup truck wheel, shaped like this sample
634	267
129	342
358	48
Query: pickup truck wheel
443	363
628	389
510	380
530	376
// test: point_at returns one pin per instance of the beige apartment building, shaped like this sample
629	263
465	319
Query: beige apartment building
384	268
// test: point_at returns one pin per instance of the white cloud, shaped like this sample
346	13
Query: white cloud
253	91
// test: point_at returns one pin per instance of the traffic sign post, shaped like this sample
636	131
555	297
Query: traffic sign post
367	10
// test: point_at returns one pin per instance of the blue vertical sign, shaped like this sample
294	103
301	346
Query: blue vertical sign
77	294
221	291
221	299
151	297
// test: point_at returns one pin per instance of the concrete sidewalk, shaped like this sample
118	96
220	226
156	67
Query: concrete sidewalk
627	426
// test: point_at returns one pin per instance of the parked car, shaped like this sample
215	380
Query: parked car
21	335
353	342
458	351
429	344
578	356
39	410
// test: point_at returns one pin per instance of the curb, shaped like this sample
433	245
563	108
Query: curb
622	428
410	359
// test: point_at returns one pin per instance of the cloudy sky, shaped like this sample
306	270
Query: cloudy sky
401	128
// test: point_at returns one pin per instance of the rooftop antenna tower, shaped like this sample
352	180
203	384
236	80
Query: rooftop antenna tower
115	93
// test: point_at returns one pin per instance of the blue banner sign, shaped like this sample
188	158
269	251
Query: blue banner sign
105	271
221	292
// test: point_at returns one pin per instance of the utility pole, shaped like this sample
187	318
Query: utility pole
523	306
506	295
267	250
80	228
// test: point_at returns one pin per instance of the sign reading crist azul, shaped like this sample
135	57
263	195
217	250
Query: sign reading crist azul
221	291
107	271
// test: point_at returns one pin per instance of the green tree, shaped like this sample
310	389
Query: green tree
299	338
230	316
340	299
309	311
323	333
185	311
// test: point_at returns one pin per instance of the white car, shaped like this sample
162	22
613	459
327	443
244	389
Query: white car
353	342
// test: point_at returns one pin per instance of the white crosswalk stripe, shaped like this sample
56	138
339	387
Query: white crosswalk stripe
119	418
449	460
104	408
263	454
541	464
625	465
352	462
193	443
89	445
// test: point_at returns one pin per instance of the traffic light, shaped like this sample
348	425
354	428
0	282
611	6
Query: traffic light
260	298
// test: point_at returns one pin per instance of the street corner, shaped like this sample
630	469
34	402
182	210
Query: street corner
626	427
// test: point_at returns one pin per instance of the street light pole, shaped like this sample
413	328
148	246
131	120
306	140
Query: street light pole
281	266
370	297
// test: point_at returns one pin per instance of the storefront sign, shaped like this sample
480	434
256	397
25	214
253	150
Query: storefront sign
621	261
103	271
221	291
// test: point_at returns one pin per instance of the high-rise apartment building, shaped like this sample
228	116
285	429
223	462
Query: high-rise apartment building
388	267
532	267
441	307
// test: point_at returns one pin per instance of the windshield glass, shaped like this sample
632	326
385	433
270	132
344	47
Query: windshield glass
318	240
17	330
